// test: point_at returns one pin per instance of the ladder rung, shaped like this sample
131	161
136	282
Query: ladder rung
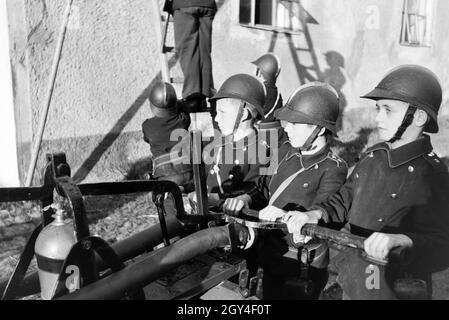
177	80
166	49
303	49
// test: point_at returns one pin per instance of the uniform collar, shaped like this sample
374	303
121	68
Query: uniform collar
270	83
309	161
405	153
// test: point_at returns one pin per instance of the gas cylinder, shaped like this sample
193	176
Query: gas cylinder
52	247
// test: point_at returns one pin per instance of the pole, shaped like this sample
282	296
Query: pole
51	86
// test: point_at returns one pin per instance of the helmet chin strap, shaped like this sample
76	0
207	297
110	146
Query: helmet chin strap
308	145
408	119
238	119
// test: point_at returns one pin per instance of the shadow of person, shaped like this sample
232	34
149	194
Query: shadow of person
335	77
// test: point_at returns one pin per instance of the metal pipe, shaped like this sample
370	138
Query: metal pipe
199	172
139	274
397	254
51	86
145	240
126	249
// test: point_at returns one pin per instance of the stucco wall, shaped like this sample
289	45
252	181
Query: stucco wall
107	65
365	32
110	59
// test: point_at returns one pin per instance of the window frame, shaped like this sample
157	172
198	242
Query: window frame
274	19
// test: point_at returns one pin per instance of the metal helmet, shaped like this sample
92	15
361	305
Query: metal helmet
415	85
246	88
314	103
269	65
163	99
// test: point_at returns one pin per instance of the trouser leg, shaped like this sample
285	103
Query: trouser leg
186	25
205	50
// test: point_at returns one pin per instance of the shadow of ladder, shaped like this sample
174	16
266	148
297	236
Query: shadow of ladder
300	42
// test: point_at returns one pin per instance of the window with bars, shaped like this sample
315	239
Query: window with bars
417	23
273	14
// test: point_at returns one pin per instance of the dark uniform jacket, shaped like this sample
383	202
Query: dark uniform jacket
399	191
157	131
194	3
270	128
236	166
324	173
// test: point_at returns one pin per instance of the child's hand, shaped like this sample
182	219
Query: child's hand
379	245
271	213
295	220
233	206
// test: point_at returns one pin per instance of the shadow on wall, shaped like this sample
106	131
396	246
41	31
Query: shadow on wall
119	126
112	135
117	129
299	51
332	75
302	71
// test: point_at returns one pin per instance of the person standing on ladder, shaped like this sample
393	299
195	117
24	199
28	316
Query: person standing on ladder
193	39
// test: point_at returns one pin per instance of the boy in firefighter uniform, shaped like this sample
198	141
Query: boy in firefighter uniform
157	131
268	69
238	156
397	194
308	173
235	152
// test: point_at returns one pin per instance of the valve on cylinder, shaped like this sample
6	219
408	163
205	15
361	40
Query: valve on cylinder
51	249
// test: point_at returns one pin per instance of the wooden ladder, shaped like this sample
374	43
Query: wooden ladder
163	20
